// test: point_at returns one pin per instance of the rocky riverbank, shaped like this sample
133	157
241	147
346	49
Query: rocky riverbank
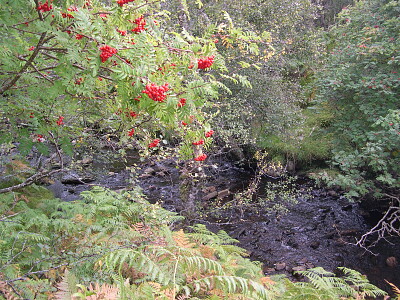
319	230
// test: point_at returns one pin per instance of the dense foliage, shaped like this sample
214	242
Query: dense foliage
360	87
108	70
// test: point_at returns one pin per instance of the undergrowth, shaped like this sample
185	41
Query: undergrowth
112	245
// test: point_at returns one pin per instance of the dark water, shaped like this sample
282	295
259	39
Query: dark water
319	230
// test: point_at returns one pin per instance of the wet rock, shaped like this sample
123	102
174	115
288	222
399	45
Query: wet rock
303	261
293	243
149	171
347	207
210	196
57	188
160	168
280	266
209	189
332	193
144	176
391	262
73	177
269	270
311	227
299	268
315	244
86	161
310	265
88	178
290	166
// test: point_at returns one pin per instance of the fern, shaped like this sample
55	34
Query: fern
234	285
66	287
396	290
324	285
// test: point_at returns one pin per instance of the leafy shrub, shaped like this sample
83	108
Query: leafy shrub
360	85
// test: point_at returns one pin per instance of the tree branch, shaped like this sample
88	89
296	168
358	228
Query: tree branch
34	178
25	67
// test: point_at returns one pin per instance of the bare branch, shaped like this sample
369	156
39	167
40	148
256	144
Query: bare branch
388	225
34	178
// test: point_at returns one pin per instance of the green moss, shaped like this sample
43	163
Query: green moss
304	144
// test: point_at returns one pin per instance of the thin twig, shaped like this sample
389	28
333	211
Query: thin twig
25	67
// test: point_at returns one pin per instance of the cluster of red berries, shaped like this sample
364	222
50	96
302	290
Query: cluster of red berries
107	52
40	138
199	142
122	32
65	15
131	132
31	48
155	92
201	157
140	22
131	114
44	7
79	36
79	81
122	2
205	62
154	143
60	121
181	102
209	133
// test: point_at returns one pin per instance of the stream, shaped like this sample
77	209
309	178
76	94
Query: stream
320	229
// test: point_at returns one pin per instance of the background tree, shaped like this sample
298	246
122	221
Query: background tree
270	113
360	87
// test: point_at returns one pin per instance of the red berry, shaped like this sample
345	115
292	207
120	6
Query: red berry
205	62
154	143
199	142
201	157
44	7
181	102
209	133
107	52
155	92
60	121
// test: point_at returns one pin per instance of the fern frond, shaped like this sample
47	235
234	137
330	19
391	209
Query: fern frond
104	291
204	264
182	240
396	290
232	285
66	287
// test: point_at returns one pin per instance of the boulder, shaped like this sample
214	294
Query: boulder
391	262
